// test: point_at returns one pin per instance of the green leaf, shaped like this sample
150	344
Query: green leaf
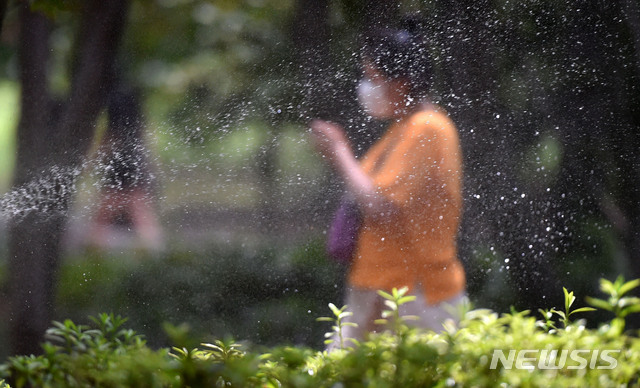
406	299
607	287
633	309
629	310
599	303
214	347
568	299
628	301
546	314
617	326
401	292
583	309
628	286
345	314
334	309
391	304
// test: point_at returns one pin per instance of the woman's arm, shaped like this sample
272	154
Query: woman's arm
332	143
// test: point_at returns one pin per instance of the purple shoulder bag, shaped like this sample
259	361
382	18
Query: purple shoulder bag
343	232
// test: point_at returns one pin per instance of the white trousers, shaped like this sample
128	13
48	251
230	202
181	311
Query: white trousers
367	306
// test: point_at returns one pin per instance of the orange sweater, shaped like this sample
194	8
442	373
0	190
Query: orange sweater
416	165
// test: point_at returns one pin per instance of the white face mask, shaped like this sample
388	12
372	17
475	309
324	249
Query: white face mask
374	98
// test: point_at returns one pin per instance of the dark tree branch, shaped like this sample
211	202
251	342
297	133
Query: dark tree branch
29	261
98	39
33	58
3	11
55	140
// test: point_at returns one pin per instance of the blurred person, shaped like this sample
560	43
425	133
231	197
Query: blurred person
127	197
407	188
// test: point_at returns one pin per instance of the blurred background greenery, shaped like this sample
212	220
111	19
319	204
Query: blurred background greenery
244	202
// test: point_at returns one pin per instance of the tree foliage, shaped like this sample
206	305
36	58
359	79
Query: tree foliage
544	93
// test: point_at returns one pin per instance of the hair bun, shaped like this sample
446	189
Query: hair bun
401	52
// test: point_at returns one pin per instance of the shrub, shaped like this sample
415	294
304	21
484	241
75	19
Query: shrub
107	355
260	295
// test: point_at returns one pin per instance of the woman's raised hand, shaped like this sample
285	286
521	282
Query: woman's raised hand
329	139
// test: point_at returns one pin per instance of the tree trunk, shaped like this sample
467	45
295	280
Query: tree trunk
631	12
52	140
3	11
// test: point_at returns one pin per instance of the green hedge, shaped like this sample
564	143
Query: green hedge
264	296
107	355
